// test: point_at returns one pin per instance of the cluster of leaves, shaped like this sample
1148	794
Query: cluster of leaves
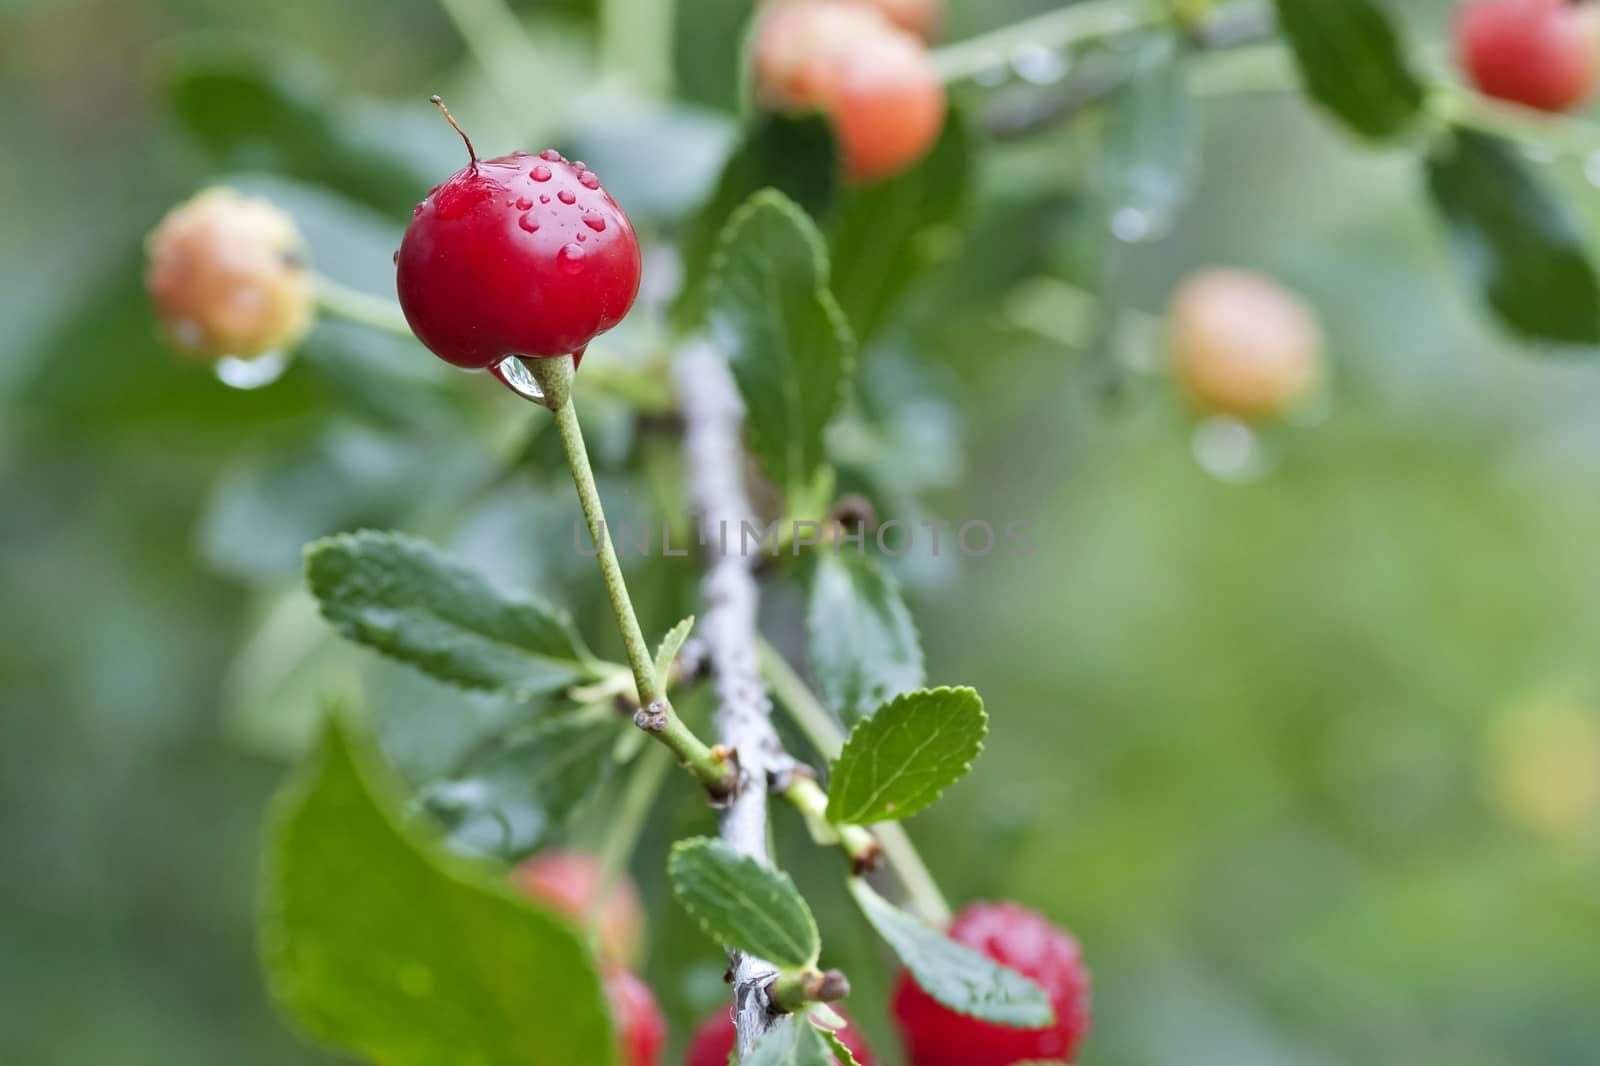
1514	242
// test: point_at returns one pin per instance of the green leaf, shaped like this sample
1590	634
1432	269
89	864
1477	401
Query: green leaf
381	946
864	646
889	234
402	597
898	761
796	156
792	1042
743	904
1514	242
953	973
671	644
1151	145
1352	63
785	337
509	802
842	1055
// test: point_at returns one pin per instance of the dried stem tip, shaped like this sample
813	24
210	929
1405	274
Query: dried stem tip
438	102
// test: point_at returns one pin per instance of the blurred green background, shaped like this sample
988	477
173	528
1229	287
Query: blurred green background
1309	758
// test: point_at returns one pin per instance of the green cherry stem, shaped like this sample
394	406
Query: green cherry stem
656	717
376	312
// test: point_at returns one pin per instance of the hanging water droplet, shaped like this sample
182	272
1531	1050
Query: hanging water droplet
570	258
567	196
589	179
254	373
595	221
529	223
1227	449
513	373
1131	225
540	173
1038	65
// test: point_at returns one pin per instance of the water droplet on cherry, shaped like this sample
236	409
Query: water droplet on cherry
550	155
540	173
589	179
570	258
523	203
544	198
567	196
594	222
529	223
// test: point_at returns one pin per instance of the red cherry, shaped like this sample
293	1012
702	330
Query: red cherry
1540	53
569	881
1014	936
713	1042
521	255
641	1029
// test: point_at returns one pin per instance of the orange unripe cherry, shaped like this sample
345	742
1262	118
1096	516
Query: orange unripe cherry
1243	345
876	83
228	276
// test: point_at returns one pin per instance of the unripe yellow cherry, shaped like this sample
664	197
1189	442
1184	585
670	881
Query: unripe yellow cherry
1243	345
228	276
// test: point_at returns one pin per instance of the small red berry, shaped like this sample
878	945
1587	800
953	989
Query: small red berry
713	1042
1540	53
522	255
569	881
641	1028
1014	936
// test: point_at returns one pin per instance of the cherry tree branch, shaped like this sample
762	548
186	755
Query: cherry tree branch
713	418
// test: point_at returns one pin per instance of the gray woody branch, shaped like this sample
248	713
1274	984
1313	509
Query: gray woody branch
713	417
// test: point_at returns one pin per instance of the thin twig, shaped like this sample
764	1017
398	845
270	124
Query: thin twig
713	416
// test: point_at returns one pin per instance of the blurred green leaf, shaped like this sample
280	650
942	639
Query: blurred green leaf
272	108
863	643
796	156
1151	146
379	945
785	338
296	486
792	1042
403	598
898	761
743	904
509	802
888	234
1353	64
953	973
706	70
1514	242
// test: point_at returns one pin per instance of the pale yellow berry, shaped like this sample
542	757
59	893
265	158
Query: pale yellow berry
1243	345
1542	764
228	276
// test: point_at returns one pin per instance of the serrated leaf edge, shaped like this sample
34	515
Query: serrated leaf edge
942	690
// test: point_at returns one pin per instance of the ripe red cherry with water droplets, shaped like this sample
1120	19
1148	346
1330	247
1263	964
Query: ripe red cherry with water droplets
522	255
1543	54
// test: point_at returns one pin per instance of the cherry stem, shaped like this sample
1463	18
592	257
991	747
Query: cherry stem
472	152
655	717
